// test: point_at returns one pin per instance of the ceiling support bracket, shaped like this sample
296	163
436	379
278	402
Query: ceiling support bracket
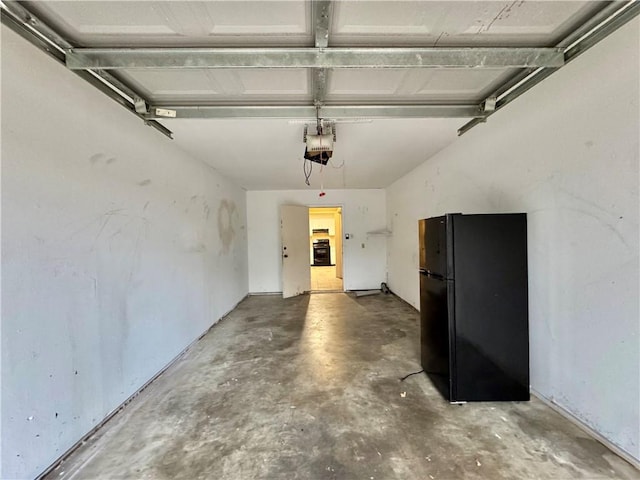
489	104
140	105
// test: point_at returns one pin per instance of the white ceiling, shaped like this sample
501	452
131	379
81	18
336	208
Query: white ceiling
267	153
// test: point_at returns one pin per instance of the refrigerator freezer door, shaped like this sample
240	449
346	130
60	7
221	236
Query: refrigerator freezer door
433	245
434	330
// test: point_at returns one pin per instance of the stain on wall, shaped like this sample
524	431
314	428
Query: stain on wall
93	159
99	157
226	214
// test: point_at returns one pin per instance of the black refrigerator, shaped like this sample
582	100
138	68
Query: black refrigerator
474	326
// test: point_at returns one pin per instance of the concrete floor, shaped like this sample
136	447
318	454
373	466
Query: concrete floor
308	388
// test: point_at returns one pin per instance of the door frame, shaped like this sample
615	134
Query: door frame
341	207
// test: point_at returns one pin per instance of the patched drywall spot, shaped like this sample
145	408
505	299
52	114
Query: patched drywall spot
144	183
93	159
226	232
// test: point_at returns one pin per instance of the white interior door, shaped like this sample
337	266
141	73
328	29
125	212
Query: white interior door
294	229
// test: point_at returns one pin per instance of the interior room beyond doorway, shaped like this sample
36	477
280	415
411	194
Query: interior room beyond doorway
325	248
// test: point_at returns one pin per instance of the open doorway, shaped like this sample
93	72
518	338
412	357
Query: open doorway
325	248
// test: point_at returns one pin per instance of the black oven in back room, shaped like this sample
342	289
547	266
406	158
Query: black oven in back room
321	248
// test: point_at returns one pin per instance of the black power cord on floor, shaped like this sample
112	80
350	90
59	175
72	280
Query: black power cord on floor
407	376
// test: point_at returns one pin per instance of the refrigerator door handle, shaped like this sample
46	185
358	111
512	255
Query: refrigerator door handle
435	276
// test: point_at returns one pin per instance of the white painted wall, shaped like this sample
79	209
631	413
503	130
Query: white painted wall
567	154
322	221
118	250
363	211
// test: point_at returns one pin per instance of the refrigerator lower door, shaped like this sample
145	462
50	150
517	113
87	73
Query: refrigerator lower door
434	331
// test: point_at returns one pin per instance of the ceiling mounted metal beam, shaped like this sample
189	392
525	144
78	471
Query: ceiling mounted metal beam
433	57
322	12
308	111
319	85
97	65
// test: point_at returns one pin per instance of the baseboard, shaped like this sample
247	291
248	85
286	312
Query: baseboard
404	301
120	407
587	429
259	294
